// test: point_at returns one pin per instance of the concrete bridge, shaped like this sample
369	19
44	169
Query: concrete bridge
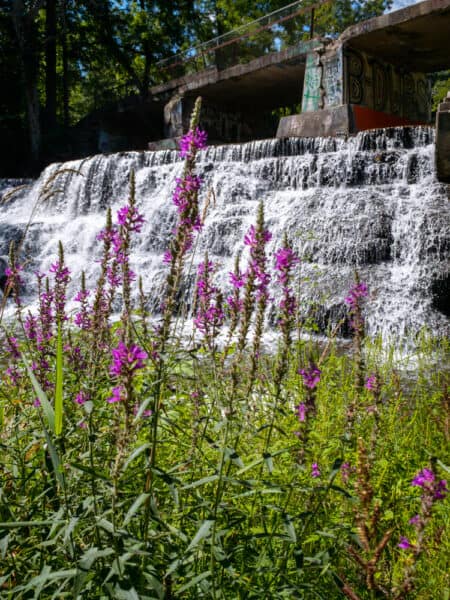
373	75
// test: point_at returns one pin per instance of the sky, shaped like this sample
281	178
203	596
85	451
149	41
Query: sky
402	3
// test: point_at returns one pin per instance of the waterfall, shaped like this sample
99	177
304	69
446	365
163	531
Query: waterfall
371	203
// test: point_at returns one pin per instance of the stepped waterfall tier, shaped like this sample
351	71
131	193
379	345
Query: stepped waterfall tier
370	203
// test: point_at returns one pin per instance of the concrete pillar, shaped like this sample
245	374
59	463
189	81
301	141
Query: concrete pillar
442	148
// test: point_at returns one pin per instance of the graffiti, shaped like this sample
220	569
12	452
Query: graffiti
333	80
380	85
311	86
355	69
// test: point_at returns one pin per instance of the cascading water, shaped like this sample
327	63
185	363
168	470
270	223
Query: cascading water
370	203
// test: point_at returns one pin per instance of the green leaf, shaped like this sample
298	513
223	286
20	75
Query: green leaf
231	454
19	524
200	482
137	452
202	532
289	527
55	460
90	471
269	461
194	581
46	406
135	507
59	384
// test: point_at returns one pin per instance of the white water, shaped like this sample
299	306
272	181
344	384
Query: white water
371	203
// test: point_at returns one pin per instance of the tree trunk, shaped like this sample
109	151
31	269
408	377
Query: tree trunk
26	34
50	64
65	58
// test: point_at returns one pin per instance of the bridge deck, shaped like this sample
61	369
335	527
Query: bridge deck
265	79
416	38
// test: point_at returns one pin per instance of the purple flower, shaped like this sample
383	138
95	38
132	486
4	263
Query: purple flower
301	412
192	141
117	395
81	296
13	347
13	275
359	290
62	273
81	398
414	520
209	311
424	478
129	217
440	490
186	188
311	376
372	383
345	472
237	281
127	360
315	472
285	260
404	544
13	374
251	238
146	413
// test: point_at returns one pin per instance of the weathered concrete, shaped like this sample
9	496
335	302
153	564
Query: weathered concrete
415	38
323	123
379	65
443	141
345	119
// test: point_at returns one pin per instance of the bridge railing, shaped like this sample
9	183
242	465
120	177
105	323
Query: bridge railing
271	33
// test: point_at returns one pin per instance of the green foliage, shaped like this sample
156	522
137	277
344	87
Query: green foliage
227	516
440	87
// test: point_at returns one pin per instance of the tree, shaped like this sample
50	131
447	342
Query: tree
24	15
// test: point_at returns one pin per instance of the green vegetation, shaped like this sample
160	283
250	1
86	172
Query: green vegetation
137	463
63	59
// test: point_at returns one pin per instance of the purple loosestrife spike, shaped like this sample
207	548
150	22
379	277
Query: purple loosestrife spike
209	314
191	142
237	281
315	471
127	360
424	478
371	382
13	347
359	290
129	216
311	376
404	544
285	260
301	412
440	490
345	472
117	395
81	398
